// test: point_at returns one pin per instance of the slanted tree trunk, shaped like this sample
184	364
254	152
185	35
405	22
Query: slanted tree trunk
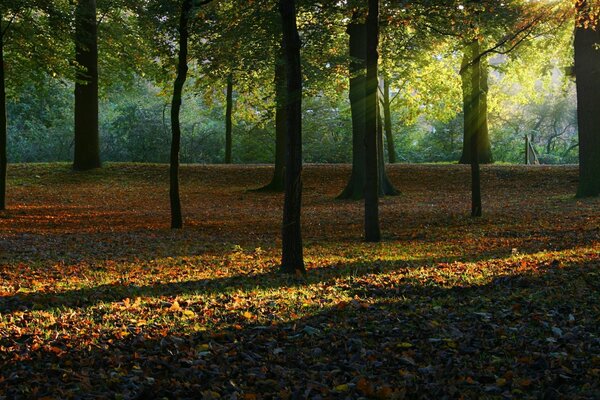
385	186
3	124
87	140
587	71
182	68
387	118
472	62
355	188
372	231
228	122
292	260
276	184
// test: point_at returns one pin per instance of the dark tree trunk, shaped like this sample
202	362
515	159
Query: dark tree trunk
355	188
471	63
3	125
476	131
387	117
292	260
87	141
357	36
587	70
228	123
182	68
372	231
276	184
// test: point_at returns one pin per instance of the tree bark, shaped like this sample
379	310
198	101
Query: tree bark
476	130
276	184
292	260
87	140
3	125
228	122
387	117
385	185
587	70
470	64
182	68
372	231
355	188
357	68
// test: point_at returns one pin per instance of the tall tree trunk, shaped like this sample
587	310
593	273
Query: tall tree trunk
3	125
372	231
387	117
476	130
292	260
228	123
385	185
357	35
355	188
276	184
472	62
587	72
182	68
87	141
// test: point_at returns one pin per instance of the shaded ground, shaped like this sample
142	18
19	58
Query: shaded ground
100	299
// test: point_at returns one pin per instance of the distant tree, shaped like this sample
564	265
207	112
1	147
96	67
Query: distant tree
87	137
228	121
292	260
587	70
357	69
277	181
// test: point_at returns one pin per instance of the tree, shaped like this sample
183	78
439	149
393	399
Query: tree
387	121
228	122
473	65
87	139
3	124
587	72
292	261
372	231
357	69
277	181
182	69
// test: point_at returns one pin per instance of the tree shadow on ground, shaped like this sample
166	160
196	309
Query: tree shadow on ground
524	336
270	279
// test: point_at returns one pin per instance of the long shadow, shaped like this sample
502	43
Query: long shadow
90	296
524	336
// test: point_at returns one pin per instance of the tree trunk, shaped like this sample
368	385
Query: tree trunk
355	188
372	231
587	70
358	47
476	130
470	64
292	260
182	68
387	117
3	125
276	184
385	185
228	123
87	141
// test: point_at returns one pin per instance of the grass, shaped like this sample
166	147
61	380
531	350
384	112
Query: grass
100	299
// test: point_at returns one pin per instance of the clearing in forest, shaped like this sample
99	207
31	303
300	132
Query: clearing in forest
99	298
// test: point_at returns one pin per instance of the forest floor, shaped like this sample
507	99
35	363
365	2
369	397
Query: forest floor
100	299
